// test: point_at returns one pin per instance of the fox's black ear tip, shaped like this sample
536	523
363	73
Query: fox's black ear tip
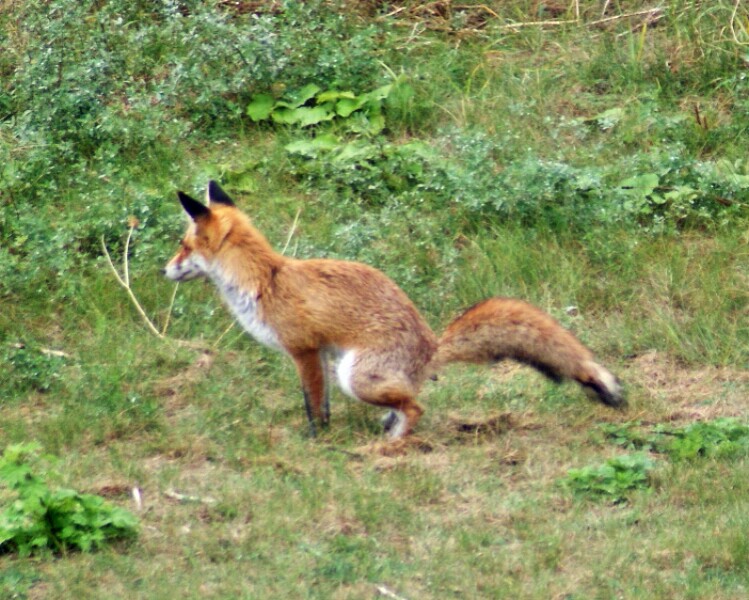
193	208
218	195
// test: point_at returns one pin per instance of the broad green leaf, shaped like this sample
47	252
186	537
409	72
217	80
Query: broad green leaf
303	116
299	98
332	96
311	148
356	152
346	106
306	93
380	93
261	107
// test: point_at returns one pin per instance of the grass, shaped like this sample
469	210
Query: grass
568	164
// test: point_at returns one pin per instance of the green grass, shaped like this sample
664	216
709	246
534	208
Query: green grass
585	163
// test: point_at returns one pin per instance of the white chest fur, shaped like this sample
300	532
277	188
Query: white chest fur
244	305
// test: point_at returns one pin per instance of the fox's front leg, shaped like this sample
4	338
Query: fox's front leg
311	368
326	388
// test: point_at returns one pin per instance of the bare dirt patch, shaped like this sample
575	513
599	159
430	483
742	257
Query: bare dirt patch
667	390
171	387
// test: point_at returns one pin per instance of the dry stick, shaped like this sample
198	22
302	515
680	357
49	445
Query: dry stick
537	24
292	231
169	310
388	593
125	270
639	13
473	6
221	337
124	283
42	350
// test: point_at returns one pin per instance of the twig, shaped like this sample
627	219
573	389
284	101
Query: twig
126	284
639	13
388	593
537	24
170	493
42	350
393	13
125	270
221	337
124	281
55	353
291	231
169	310
483	7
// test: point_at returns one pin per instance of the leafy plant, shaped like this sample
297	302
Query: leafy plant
37	518
721	438
311	106
29	369
628	436
612	480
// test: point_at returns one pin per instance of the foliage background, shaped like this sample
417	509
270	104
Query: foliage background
587	154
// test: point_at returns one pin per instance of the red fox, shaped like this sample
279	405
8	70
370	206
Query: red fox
318	309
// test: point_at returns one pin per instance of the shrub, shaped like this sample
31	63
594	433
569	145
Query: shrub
37	518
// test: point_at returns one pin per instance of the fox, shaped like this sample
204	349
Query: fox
320	310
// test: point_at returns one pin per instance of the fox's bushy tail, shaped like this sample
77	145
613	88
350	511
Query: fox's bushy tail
500	328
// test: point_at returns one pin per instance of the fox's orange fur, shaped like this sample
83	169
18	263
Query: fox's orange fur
318	309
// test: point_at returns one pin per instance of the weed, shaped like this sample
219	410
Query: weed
30	368
612	480
39	519
721	438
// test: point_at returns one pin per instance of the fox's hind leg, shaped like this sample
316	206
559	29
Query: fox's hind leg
374	380
405	410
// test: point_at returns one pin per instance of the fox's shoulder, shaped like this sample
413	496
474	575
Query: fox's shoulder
335	270
345	283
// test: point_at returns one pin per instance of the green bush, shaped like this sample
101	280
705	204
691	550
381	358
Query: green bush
37	519
140	75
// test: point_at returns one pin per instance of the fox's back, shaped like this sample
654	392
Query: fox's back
324	302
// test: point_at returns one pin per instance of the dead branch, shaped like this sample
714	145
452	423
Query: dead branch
124	281
655	13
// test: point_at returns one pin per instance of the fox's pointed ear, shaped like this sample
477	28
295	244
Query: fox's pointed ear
193	208
216	195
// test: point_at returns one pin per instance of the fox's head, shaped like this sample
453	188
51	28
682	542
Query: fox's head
205	234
